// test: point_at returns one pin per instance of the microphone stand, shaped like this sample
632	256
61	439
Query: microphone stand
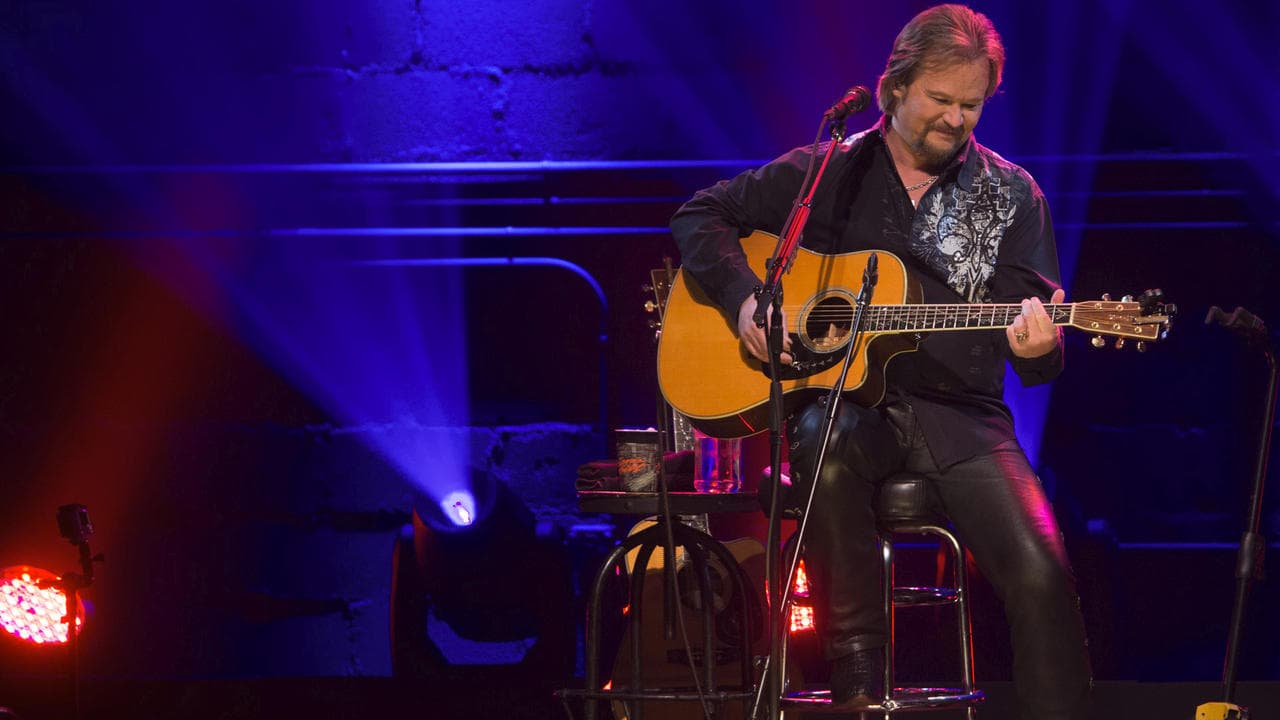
770	295
71	584
1250	558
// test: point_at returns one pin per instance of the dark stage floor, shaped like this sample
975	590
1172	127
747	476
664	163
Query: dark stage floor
496	695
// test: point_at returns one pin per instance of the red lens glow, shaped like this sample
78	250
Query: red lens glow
31	609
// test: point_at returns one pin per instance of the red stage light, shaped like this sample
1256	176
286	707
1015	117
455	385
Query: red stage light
801	586
31	608
801	615
801	618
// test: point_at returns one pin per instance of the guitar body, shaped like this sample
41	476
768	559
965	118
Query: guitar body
706	374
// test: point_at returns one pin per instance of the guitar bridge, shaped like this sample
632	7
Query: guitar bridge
805	362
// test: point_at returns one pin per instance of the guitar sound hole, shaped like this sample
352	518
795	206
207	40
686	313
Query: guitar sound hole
691	590
826	324
728	617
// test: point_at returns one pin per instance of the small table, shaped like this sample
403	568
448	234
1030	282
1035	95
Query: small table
648	503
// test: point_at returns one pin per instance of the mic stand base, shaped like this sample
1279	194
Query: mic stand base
1221	711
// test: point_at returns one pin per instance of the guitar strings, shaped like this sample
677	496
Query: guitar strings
1014	308
966	315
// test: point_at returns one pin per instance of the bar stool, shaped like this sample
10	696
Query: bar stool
907	504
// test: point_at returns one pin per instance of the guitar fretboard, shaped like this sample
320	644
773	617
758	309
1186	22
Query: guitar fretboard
913	318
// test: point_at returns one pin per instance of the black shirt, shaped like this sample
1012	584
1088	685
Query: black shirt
981	233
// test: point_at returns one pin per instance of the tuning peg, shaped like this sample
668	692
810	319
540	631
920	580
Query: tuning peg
1119	343
1127	298
1142	346
1151	300
650	306
1098	342
1106	297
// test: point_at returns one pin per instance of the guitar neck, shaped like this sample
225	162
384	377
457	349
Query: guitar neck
920	318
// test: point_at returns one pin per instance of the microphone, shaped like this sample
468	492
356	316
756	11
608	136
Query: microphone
1240	321
870	276
855	100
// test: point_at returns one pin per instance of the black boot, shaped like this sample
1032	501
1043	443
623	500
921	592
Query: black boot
857	679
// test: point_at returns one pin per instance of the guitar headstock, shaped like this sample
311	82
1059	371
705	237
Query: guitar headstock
660	282
1147	318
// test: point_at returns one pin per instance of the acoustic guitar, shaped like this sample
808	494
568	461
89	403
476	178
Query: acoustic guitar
707	375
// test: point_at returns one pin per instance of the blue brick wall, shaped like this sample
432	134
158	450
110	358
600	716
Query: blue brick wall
393	80
398	80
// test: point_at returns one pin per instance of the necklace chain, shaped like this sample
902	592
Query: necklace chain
924	183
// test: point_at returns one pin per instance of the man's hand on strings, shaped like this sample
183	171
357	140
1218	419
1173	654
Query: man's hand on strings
753	337
1033	334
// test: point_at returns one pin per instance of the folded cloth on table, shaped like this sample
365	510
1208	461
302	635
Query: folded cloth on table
603	474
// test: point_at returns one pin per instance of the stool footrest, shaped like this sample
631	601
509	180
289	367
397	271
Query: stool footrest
903	699
659	695
909	596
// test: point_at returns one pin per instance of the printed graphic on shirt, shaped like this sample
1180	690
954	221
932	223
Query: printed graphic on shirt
960	233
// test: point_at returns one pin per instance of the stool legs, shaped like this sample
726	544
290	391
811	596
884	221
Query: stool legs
964	621
894	699
886	551
959	599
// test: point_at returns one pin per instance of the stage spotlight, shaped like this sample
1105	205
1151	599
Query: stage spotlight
32	606
39	609
460	507
494	592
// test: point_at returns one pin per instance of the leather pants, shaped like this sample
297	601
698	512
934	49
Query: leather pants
999	510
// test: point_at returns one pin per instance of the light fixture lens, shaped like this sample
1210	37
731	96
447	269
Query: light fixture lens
801	618
800	588
31	608
459	507
801	615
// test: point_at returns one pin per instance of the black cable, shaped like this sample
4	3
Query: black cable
669	560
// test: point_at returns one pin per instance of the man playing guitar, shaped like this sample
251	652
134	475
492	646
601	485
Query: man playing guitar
970	227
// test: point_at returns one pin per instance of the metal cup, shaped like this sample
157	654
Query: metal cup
639	459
